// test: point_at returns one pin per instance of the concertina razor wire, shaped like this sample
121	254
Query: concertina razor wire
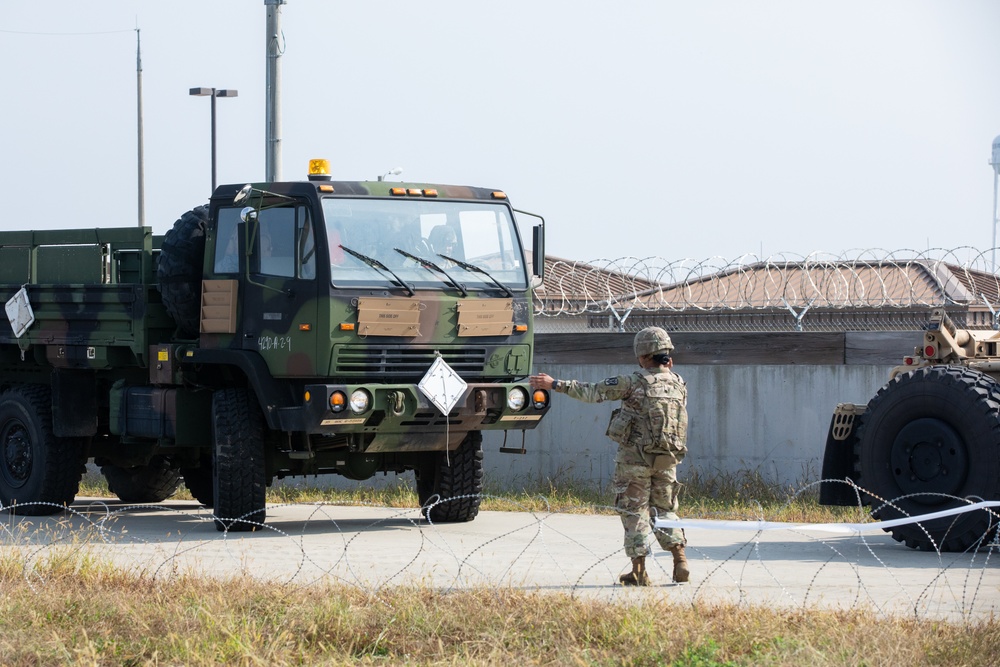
860	290
559	549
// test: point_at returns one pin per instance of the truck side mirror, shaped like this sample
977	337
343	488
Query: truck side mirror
243	196
538	250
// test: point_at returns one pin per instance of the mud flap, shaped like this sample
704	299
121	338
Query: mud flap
838	456
74	403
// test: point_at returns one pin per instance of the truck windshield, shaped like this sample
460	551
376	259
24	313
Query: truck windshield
480	234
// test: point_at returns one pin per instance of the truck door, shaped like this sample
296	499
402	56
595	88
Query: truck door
279	311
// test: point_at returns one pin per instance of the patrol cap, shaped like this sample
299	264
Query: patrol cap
652	340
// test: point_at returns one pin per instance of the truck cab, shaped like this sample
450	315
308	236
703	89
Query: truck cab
320	327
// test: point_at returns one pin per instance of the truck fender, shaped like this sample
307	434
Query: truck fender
271	394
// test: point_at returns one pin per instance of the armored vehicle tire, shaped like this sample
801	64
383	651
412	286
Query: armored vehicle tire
239	484
142	484
199	482
180	269
35	466
456	488
928	439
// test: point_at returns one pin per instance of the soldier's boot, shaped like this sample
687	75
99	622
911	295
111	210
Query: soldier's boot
638	576
681	571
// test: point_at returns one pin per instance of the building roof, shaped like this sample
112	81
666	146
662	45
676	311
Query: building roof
840	294
579	286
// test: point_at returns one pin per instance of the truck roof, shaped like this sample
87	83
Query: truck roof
364	188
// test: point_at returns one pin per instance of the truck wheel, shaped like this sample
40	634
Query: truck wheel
142	484
180	269
35	466
238	461
462	481
927	438
200	483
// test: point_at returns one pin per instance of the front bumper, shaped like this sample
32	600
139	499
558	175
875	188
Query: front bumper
400	413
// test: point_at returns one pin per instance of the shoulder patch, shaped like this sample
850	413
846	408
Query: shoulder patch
611	381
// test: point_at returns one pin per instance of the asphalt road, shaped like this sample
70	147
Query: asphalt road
374	547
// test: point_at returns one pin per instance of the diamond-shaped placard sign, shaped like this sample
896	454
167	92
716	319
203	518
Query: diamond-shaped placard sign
19	313
442	385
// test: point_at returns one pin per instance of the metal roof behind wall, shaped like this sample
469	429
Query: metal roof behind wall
807	295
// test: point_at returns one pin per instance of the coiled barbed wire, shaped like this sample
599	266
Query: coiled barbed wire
870	278
805	565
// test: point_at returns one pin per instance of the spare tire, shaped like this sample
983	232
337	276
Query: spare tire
180	269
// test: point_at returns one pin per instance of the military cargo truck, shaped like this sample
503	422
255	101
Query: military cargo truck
929	440
285	329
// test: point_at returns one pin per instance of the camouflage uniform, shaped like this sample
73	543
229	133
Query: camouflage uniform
650	428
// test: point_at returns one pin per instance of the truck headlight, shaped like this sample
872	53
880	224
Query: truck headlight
360	401
516	398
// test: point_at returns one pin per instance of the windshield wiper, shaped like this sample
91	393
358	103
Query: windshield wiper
477	269
380	267
428	264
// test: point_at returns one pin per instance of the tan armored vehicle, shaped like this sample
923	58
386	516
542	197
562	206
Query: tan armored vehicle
929	440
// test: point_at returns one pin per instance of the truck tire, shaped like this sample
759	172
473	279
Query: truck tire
151	483
180	270
459	485
35	466
929	438
239	484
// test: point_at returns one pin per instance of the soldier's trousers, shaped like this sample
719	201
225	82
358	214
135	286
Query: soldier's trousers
642	492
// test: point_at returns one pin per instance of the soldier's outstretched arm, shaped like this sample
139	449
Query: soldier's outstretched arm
541	381
611	389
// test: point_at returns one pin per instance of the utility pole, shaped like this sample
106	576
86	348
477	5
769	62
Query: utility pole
995	163
138	95
272	121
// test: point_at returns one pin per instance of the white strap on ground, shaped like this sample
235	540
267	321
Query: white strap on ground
843	528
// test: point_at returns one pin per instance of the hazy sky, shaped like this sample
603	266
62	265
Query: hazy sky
667	128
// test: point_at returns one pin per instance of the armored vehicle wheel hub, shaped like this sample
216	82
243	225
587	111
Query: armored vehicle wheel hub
928	456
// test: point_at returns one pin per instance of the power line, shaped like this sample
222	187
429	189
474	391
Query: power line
63	34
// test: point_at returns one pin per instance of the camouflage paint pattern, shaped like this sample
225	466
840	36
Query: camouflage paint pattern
93	297
311	329
642	494
645	481
100	319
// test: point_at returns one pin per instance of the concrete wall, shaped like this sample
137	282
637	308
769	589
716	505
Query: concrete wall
769	419
756	402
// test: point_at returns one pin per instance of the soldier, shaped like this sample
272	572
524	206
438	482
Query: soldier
650	428
442	240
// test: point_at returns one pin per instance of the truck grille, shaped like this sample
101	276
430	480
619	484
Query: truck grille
387	361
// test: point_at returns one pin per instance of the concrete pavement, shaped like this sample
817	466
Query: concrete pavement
581	555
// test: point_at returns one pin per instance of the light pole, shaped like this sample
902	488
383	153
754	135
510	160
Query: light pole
395	171
213	93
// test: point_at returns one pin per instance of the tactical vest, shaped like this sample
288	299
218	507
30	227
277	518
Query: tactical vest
655	417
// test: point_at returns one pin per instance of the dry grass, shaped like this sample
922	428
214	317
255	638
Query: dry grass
78	611
65	606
